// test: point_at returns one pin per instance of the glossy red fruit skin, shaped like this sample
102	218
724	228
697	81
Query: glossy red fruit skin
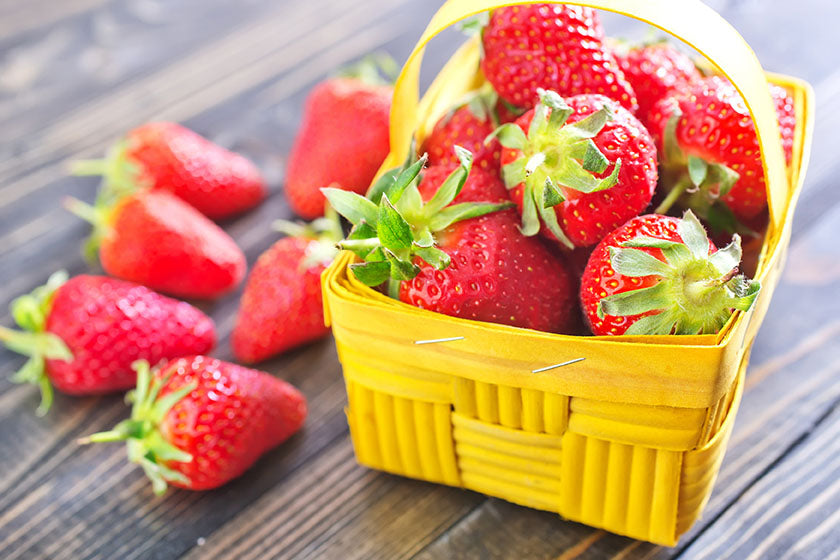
716	126
217	182
233	416
550	46
281	306
158	240
587	218
656	71
496	274
342	141
465	129
108	324
600	280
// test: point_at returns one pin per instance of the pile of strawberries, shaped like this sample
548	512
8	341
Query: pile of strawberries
541	201
547	191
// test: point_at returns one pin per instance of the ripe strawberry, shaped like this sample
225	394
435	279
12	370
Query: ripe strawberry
655	70
168	156
199	422
467	259
580	166
342	141
466	126
709	149
84	333
281	306
661	275
550	46
156	239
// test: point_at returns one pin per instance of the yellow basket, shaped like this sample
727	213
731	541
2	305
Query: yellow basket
629	435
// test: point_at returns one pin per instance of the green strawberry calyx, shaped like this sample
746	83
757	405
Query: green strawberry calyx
555	158
376	69
326	232
98	216
388	234
120	175
697	184
145	443
30	312
697	289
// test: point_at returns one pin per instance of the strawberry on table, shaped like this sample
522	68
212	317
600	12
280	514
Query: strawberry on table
156	239
661	275
710	153
655	70
281	306
550	46
199	422
167	156
466	125
83	334
465	259
342	141
577	167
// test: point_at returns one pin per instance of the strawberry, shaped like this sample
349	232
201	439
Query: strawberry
661	275
167	156
154	238
281	306
710	153
580	166
550	46
655	70
466	126
84	333
467	259
342	141
199	422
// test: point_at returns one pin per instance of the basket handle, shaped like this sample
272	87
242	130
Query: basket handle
689	20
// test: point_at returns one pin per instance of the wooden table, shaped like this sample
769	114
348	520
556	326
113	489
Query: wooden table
75	74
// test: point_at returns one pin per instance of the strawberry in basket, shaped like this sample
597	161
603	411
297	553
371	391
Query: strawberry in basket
661	275
710	154
577	167
655	70
466	259
550	46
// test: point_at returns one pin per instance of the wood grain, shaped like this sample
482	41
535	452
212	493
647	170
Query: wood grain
76	74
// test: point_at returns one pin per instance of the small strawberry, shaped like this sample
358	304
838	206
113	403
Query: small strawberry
167	156
661	275
580	166
199	422
281	306
342	141
467	126
710	153
655	70
84	333
466	259
550	46
156	239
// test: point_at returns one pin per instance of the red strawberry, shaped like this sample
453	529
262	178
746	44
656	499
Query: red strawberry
156	239
467	259
550	46
281	306
84	333
655	71
708	144
199	422
167	156
661	275
342	141
585	156
466	126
